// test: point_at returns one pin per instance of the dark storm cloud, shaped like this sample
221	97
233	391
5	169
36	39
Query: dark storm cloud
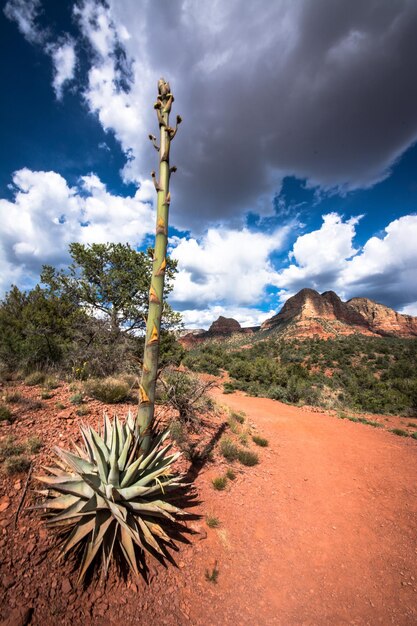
322	90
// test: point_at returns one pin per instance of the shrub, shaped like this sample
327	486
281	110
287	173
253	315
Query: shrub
5	413
243	438
212	521
34	444
51	382
177	431
414	435
230	474
233	425
246	457
9	447
229	449
228	388
238	417
109	390
14	397
35	378
187	394
213	575
16	464
45	395
77	398
400	432
60	405
219	483
260	441
82	410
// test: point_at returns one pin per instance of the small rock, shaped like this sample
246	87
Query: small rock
66	586
17	485
4	503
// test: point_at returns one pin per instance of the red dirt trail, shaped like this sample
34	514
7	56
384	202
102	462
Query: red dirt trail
323	531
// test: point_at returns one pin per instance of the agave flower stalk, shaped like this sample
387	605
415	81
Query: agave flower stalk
156	293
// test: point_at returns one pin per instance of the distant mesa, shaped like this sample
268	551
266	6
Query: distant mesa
224	326
309	314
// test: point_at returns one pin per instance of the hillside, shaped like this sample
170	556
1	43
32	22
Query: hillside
311	314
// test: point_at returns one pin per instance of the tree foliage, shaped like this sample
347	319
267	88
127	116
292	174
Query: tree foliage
87	319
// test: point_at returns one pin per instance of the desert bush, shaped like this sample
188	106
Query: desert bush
46	395
109	390
260	441
9	447
5	413
50	382
229	449
34	444
13	397
219	483
400	432
212	521
77	398
178	431
230	474
16	464
187	394
247	457
35	378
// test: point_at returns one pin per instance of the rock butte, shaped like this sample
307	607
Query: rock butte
309	314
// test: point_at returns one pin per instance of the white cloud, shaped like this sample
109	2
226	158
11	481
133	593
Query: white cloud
46	215
118	110
321	254
25	13
227	266
64	61
385	269
194	318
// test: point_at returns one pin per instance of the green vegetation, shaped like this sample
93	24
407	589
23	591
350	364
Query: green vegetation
363	374
229	449
109	390
248	458
400	432
131	508
5	413
85	320
230	474
212	576
260	441
212	521
77	398
35	378
219	483
12	457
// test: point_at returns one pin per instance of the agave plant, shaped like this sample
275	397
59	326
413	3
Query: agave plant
109	494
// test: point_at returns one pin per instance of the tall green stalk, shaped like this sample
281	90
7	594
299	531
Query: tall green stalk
156	293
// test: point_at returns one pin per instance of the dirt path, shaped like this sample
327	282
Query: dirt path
323	532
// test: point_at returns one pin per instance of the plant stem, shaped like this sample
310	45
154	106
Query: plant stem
156	293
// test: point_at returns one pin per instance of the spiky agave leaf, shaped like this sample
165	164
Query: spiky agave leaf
109	493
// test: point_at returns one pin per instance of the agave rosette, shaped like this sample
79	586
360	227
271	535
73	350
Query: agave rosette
109	493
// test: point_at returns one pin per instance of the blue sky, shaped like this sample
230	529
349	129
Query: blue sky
296	158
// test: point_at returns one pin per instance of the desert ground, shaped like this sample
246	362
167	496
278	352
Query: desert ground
322	532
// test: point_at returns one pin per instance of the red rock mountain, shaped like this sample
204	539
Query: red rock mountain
310	313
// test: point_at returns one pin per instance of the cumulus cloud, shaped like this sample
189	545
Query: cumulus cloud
384	269
195	318
323	92
47	214
64	61
320	256
227	267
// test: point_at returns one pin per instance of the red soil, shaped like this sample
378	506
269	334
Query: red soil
322	532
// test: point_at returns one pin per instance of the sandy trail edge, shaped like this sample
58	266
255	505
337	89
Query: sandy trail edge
322	532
